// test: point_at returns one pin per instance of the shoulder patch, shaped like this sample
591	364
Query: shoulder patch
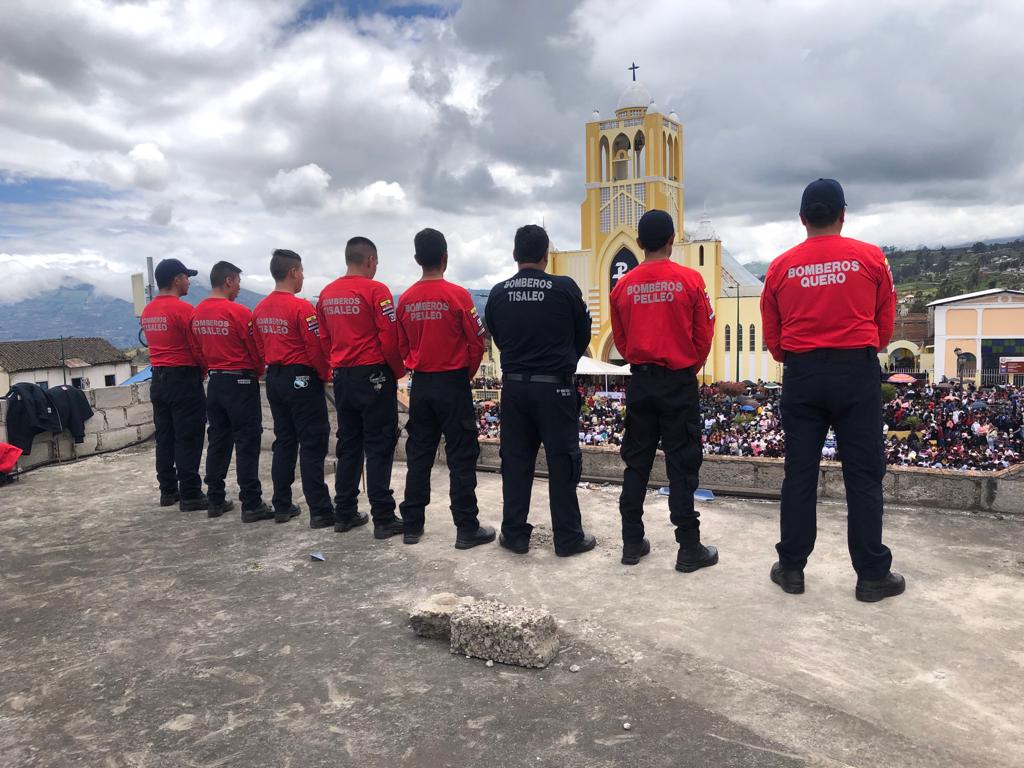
387	308
711	308
313	326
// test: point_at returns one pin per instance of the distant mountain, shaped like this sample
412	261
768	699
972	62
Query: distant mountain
80	310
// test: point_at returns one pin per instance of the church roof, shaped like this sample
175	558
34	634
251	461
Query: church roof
635	95
732	273
705	231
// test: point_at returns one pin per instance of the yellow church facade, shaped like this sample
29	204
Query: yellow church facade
634	163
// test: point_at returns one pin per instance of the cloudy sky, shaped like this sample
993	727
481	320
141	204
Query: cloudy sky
213	129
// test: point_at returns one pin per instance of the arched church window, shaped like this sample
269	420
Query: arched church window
639	155
753	342
620	158
605	159
728	338
701	257
739	338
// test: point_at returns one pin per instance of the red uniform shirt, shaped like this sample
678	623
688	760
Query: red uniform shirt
223	331
439	329
287	333
661	315
357	324
165	321
830	292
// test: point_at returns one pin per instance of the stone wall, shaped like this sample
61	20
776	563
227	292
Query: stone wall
997	492
122	416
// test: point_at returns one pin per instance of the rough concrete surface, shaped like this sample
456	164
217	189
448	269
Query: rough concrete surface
432	617
509	634
132	635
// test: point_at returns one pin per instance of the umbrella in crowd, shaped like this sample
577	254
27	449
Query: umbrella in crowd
747	408
773	386
901	378
979	405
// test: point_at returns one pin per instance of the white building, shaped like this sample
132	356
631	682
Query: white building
86	363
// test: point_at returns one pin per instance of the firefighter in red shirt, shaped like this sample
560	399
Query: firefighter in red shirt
287	335
223	330
828	306
441	338
179	402
663	325
359	335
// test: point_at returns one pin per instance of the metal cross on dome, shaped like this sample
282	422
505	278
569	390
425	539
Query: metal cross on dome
634	68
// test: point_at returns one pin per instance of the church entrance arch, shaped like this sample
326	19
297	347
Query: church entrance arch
623	262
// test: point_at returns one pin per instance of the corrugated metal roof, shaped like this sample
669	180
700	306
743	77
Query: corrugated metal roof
46	353
975	295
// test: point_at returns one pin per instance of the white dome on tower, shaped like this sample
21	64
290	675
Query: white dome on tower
634	96
652	108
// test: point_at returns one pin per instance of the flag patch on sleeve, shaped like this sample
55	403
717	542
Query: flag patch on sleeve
313	325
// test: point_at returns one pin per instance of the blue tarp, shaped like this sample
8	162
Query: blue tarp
144	375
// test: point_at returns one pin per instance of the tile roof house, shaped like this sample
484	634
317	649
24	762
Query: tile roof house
85	362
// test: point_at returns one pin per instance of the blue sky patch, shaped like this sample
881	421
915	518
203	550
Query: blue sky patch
316	10
33	190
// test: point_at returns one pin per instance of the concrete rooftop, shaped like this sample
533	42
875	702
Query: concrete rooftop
135	636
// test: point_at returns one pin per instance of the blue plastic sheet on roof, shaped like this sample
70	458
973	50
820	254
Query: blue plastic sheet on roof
144	375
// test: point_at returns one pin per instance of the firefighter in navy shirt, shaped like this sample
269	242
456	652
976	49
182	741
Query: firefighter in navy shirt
441	338
828	306
288	338
542	327
663	325
223	331
179	402
359	334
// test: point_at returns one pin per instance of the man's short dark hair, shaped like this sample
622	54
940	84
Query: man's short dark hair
430	247
220	273
821	215
531	244
282	262
359	249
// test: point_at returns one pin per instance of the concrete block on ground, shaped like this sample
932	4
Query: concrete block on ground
3	411
142	392
935	488
42	453
62	447
526	637
139	414
1008	498
113	397
118	438
432	616
146	431
87	447
90	397
115	418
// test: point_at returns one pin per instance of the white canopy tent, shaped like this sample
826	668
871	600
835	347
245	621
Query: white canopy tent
588	366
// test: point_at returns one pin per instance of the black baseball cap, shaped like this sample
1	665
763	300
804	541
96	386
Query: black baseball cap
168	269
654	229
823	192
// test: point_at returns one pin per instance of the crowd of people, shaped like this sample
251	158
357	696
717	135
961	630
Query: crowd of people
948	425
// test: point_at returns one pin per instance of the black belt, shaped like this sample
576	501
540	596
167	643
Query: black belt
540	378
219	372
176	370
859	353
277	369
455	373
650	369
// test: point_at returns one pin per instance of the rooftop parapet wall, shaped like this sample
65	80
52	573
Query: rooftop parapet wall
964	491
122	416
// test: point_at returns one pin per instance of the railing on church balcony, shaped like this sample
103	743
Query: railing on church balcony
991	377
607	125
909	369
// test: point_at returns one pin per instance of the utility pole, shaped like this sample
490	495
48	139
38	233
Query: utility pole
63	361
739	331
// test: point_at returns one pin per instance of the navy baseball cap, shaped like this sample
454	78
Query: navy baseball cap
168	269
654	228
823	192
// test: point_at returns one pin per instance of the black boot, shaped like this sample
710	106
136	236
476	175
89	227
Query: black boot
194	504
632	551
321	521
587	543
257	513
385	530
218	509
694	558
873	590
347	523
790	581
482	535
169	499
283	516
519	547
411	537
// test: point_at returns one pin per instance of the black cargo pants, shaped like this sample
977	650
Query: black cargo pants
301	431
366	397
840	388
179	417
535	410
441	403
662	405
236	422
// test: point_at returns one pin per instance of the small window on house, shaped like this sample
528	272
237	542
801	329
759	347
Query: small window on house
108	381
77	383
739	338
701	258
43	384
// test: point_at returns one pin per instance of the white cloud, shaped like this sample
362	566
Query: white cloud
304	187
143	166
